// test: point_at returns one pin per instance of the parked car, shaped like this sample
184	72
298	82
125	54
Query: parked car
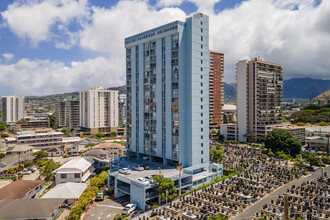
149	178
125	171
143	180
146	167
138	168
136	213
129	208
145	158
32	169
173	164
100	195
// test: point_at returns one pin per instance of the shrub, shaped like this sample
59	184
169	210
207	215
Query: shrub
326	160
65	155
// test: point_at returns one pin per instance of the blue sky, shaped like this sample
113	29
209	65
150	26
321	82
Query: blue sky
55	46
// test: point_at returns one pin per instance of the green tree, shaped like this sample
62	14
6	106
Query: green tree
323	123
113	134
163	185
90	145
27	163
99	135
52	121
218	217
67	132
120	217
217	154
3	126
40	154
313	161
214	132
225	119
312	107
251	137
2	155
301	124
47	168
283	140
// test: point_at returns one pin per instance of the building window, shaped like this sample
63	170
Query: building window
202	145
202	129
201	38
201	53
63	176
201	107
201	61
202	152
201	99
201	69
202	137
201	84
201	22
201	114
202	122
77	175
201	91
201	46
201	76
202	161
201	30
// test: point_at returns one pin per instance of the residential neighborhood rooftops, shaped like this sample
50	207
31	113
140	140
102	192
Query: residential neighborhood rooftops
291	127
11	161
29	208
95	152
18	189
66	191
74	165
19	148
109	145
31	133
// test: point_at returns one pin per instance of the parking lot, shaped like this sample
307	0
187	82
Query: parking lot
106	209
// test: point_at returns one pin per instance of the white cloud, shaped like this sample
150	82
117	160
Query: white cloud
8	56
34	19
299	39
41	77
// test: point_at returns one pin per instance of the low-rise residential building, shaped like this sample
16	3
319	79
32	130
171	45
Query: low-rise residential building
30	125
317	131
20	150
113	149
229	113
41	140
21	189
318	143
26	209
55	152
98	153
69	191
79	147
297	131
76	170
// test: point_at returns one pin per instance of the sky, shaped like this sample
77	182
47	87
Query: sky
56	46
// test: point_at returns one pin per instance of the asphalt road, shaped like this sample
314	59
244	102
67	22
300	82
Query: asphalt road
250	212
106	209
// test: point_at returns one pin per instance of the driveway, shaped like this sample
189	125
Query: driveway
250	212
32	176
106	209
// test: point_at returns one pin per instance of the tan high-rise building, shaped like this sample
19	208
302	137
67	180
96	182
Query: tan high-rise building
216	87
67	114
98	109
12	108
259	98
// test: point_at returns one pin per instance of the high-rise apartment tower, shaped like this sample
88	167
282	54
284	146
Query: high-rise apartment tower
259	98
167	73
98	109
12	108
67	114
216	88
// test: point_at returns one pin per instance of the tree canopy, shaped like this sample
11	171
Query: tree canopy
3	126
52	121
163	185
99	135
217	154
283	140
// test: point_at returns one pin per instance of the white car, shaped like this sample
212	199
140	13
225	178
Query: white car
143	180
125	171
138	168
129	208
149	178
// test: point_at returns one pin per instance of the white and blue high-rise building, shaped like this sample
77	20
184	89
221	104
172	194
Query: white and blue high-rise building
167	73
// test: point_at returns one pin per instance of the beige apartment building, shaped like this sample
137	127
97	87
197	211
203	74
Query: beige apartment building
98	110
12	108
259	98
297	131
40	140
67	114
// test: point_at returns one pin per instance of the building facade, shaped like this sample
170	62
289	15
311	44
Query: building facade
216	88
31	125
46	140
122	109
12	108
98	109
67	114
259	97
167	73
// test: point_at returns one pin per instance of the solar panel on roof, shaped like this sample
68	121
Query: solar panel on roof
10	148
2	165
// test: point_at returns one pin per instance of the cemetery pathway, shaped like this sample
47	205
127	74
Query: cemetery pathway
251	211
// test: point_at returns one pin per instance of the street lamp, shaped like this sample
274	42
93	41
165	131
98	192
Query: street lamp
160	172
